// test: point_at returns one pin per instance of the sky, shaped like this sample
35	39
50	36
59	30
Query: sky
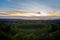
40	5
29	8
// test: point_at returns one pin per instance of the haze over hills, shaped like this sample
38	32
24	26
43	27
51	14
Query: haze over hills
31	18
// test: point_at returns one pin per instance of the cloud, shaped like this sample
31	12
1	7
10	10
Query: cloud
57	13
31	5
29	13
28	5
8	0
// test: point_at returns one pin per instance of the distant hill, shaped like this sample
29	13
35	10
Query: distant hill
14	21
31	18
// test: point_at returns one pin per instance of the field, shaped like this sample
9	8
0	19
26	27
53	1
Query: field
30	30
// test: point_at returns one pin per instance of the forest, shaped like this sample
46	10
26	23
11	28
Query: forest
28	30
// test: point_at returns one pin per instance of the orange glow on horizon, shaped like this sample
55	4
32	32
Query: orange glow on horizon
29	13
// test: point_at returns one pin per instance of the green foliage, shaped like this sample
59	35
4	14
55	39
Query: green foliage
30	31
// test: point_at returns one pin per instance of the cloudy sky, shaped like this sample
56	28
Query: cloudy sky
46	7
43	5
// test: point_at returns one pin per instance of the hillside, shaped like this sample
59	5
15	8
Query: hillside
18	29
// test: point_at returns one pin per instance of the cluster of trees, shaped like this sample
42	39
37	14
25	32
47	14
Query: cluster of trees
30	31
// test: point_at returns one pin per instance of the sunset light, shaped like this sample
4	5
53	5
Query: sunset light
29	19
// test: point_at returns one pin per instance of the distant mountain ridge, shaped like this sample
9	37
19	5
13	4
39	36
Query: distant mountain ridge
31	18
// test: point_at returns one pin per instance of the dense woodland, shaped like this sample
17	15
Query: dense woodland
30	30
